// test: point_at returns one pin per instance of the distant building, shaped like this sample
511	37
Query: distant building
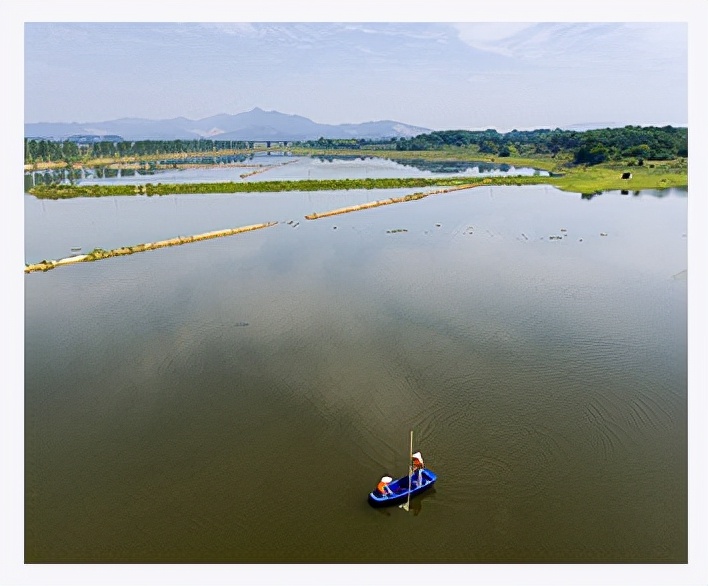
93	138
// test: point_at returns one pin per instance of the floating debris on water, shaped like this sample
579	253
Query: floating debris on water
240	324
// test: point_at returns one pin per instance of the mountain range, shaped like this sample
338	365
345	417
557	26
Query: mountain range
255	124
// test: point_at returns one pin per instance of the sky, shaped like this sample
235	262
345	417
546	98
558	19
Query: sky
437	75
438	64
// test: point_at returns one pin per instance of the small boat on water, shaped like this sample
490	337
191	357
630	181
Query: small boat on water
400	491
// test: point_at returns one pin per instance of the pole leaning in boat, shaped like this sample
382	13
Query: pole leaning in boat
410	474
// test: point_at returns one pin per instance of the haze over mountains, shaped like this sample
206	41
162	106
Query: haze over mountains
255	124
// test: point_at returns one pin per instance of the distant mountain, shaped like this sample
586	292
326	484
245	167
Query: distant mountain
256	124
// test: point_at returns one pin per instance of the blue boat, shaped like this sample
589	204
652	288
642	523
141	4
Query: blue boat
421	481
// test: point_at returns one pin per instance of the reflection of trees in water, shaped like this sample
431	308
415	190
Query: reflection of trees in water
52	177
72	176
332	158
423	164
639	192
205	160
454	166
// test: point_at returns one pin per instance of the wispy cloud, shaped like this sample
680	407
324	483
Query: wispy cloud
492	37
580	44
421	31
238	29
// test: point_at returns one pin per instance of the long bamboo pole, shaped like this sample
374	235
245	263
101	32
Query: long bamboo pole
410	472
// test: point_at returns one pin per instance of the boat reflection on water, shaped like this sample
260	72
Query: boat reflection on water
416	505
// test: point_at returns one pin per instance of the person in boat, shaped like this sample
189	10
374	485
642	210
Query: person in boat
383	486
418	465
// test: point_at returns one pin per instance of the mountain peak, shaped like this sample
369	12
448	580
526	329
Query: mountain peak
256	124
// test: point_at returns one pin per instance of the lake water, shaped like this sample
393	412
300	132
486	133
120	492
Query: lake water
281	167
235	400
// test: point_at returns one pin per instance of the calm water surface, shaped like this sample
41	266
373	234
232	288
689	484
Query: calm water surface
283	167
236	399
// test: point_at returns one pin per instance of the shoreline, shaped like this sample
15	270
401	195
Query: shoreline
392	200
591	180
100	254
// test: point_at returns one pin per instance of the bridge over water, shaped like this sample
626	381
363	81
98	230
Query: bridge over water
267	144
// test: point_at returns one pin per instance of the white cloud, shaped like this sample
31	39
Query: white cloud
239	29
491	37
580	44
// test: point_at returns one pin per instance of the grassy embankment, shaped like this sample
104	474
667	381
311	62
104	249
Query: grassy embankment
137	162
71	191
100	254
607	177
392	200
565	176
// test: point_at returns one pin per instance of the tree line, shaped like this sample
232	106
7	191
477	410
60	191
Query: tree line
589	146
586	147
43	150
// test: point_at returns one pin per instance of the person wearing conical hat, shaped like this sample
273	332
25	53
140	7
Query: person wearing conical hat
383	487
418	461
418	465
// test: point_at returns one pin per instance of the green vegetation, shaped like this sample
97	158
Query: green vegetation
71	191
585	162
598	178
575	178
69	151
587	147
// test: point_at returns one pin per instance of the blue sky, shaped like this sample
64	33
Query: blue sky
438	75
